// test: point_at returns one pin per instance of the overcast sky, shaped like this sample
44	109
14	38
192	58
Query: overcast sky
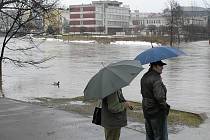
143	5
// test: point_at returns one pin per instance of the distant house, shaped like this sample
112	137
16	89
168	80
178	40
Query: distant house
193	11
100	17
195	15
144	23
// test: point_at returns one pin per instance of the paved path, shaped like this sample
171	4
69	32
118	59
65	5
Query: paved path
25	121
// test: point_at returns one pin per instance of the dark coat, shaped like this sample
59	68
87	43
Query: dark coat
154	95
113	113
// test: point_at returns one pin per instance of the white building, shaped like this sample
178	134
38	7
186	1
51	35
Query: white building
191	16
195	16
199	21
106	17
141	21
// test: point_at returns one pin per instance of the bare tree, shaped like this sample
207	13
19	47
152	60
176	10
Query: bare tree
174	15
18	19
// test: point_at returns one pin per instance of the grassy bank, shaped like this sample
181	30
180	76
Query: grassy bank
86	108
108	39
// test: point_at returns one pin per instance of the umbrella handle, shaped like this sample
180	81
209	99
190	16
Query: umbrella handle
99	103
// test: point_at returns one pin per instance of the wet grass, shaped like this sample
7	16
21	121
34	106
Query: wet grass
185	118
107	40
78	105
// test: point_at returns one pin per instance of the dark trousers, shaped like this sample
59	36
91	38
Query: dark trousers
112	133
156	128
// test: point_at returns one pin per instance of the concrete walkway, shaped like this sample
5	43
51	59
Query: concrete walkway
25	121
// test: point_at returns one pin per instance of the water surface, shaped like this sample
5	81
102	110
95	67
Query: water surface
187	77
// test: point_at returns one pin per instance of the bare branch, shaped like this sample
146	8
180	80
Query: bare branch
20	49
20	13
21	63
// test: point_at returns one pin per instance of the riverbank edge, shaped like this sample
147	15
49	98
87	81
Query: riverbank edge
78	105
107	39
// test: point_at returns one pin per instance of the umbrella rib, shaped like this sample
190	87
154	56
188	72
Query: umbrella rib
115	74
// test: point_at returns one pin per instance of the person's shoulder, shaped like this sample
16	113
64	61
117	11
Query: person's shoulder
151	73
154	76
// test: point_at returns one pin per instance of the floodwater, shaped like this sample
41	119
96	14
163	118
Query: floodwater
187	77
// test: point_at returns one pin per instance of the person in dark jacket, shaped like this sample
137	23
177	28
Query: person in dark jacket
155	107
113	114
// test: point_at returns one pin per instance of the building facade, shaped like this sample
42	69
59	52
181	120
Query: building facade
100	17
143	22
195	16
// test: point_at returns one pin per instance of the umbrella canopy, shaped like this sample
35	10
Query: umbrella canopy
157	54
112	78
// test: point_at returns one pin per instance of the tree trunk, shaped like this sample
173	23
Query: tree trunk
171	35
178	35
171	28
1	82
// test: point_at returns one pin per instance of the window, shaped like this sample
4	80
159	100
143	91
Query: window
99	22
81	22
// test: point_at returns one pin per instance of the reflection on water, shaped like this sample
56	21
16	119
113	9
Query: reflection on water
187	77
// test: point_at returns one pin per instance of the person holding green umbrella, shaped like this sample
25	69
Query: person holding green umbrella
106	85
113	114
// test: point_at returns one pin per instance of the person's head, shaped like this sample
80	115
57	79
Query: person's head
157	66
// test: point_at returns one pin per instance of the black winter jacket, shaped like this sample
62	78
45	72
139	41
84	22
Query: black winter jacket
154	95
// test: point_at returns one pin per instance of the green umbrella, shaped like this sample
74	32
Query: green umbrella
111	78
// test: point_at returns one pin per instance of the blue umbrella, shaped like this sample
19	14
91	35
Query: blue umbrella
158	53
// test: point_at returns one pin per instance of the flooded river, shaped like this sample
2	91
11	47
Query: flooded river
187	77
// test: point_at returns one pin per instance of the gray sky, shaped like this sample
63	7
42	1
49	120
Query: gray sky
143	5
